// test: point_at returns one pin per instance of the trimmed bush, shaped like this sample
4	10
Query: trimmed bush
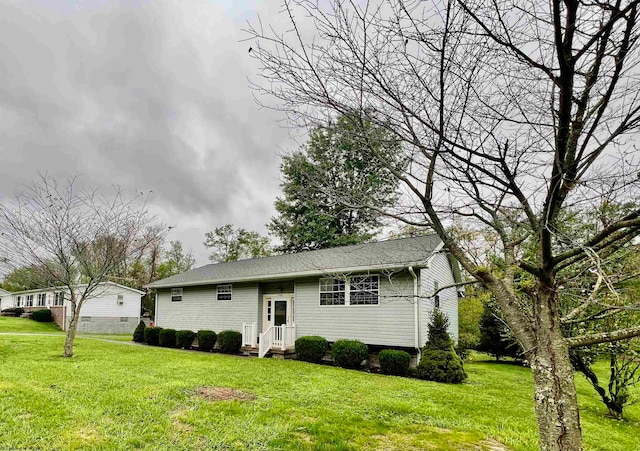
42	315
394	362
152	335
230	341
349	353
13	311
311	348
441	366
168	338
206	340
184	339
439	361
138	334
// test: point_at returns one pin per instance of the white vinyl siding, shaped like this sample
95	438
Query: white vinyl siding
200	309
105	303
391	323
438	275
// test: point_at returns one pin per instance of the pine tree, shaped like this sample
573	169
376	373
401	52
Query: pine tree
439	361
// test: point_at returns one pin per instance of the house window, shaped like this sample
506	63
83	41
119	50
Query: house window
352	290
124	319
18	301
269	311
176	294
436	297
120	300
363	290
333	291
85	319
58	298
42	299
29	302
224	292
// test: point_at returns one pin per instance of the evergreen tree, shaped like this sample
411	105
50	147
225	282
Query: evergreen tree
439	361
340	167
495	337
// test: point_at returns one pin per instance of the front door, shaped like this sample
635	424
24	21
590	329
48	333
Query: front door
277	310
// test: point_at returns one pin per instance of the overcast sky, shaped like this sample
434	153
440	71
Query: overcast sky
148	95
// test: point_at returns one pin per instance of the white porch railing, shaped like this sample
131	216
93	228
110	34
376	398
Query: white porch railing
277	337
249	334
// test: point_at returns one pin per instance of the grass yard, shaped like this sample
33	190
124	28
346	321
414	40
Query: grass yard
22	325
118	396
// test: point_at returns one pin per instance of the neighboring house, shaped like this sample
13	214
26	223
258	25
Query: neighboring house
380	293
5	299
112	309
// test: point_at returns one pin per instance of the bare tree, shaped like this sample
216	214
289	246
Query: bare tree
510	113
78	239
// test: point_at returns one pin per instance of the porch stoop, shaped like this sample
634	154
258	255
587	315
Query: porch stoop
253	351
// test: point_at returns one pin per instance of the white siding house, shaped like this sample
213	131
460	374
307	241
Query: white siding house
112	308
380	293
6	299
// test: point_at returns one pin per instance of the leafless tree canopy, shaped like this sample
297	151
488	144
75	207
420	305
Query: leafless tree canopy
513	114
76	238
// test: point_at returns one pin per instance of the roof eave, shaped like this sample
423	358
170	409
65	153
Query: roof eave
289	275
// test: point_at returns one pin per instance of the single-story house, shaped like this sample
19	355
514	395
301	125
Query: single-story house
381	293
112	309
5	299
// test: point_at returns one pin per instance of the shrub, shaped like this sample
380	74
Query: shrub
168	338
42	315
230	341
394	362
206	340
152	335
311	348
13	311
349	353
441	366
439	361
138	334
184	339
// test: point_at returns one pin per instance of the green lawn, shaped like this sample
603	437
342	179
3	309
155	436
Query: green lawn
118	396
23	325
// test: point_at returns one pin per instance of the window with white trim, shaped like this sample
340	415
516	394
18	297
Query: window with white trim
436	297
18	301
351	290
29	302
176	294
364	290
224	292
333	291
42	299
58	298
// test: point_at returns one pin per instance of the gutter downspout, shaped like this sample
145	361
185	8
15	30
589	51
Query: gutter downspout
416	314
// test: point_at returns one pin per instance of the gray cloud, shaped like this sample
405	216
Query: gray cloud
147	95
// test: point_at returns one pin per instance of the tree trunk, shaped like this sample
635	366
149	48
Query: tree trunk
556	402
71	332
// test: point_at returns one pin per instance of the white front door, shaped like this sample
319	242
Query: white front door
277	309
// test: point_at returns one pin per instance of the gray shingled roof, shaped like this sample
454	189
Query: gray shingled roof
359	257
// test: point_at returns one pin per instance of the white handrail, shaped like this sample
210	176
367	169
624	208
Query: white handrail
266	342
249	334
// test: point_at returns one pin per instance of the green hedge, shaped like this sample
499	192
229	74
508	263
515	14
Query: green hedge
394	362
138	334
184	339
230	341
206	340
349	353
152	335
168	338
42	315
311	348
